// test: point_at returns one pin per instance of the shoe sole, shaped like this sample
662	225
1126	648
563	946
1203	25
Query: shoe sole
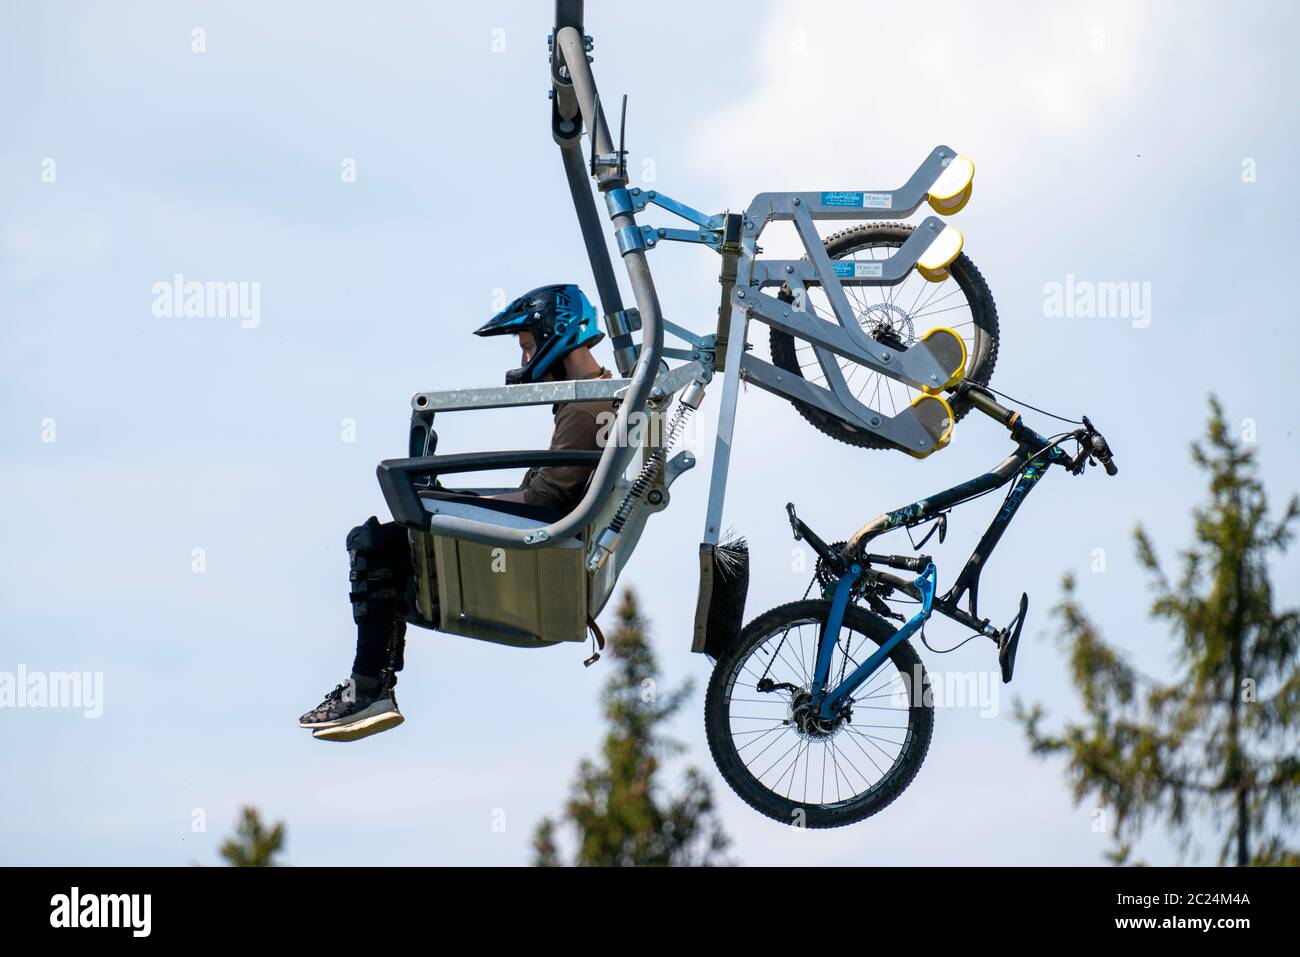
383	706
360	729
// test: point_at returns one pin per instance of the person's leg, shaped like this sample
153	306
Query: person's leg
379	561
380	568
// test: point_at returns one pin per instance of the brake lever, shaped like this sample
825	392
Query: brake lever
1080	458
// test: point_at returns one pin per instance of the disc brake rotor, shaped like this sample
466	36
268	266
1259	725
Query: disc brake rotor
889	324
806	722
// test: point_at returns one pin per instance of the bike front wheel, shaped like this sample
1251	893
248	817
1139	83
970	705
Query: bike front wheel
898	316
783	760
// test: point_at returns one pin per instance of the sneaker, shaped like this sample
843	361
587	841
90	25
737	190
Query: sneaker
348	713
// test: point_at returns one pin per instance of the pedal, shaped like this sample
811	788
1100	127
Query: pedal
1010	640
949	351
935	416
943	249
952	190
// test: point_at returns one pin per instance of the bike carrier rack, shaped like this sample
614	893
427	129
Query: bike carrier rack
455	540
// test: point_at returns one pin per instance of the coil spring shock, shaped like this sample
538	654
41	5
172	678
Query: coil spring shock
650	469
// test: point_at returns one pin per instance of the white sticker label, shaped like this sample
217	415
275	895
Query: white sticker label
844	197
856	269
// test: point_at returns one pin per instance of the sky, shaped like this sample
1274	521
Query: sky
179	488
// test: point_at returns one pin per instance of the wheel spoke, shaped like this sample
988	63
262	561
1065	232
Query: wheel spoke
880	313
777	738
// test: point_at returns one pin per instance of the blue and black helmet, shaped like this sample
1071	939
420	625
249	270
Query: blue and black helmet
560	319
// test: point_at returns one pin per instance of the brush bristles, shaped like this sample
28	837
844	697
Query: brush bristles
731	556
730	589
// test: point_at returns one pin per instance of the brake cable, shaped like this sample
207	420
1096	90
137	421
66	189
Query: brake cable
940	525
1028	406
944	651
1052	442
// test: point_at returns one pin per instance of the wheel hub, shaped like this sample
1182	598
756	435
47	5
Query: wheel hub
808	724
889	324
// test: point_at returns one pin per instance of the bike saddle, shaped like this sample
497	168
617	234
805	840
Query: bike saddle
1009	640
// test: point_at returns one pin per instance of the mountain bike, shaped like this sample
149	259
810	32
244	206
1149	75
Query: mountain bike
821	713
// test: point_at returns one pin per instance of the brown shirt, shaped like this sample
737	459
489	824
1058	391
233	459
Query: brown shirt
577	426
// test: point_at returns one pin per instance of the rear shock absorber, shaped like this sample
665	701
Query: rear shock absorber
690	400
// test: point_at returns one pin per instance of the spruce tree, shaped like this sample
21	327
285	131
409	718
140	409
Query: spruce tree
253	845
619	811
1219	740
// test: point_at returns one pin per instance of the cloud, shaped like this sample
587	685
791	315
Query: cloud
838	85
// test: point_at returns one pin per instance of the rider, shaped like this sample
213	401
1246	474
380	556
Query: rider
556	326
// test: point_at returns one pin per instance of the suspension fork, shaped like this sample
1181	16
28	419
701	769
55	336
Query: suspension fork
826	703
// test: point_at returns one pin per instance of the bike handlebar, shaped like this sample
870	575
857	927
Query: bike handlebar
1092	443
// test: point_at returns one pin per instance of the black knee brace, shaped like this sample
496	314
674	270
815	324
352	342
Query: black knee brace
374	582
380	560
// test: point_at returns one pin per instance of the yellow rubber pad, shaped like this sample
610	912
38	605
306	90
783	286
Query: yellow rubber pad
949	350
935	415
952	183
943	249
946	207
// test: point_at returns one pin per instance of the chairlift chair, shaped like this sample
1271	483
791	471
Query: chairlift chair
527	581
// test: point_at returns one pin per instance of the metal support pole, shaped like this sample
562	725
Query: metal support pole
614	458
568	42
726	425
593	229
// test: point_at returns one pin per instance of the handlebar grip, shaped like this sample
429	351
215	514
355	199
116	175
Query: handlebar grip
1098	447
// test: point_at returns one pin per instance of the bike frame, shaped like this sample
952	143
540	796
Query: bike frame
1033	456
827	703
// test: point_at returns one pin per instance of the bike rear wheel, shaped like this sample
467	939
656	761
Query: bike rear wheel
778	757
898	315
